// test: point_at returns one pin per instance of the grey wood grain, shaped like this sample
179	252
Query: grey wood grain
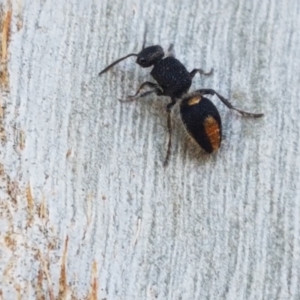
87	209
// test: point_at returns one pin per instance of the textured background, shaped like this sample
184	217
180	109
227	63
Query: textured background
87	210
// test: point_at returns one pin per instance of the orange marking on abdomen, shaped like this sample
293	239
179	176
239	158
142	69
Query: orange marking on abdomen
195	100
212	130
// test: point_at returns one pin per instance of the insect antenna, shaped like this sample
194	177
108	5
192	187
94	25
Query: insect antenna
145	34
115	62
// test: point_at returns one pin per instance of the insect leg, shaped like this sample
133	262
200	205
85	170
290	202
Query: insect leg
227	103
169	124
171	51
155	89
200	71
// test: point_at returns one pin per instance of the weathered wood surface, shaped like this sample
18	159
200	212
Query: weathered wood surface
87	209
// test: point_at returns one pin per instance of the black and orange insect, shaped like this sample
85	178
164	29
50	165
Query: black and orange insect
199	115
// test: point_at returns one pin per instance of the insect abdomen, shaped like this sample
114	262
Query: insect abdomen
202	121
